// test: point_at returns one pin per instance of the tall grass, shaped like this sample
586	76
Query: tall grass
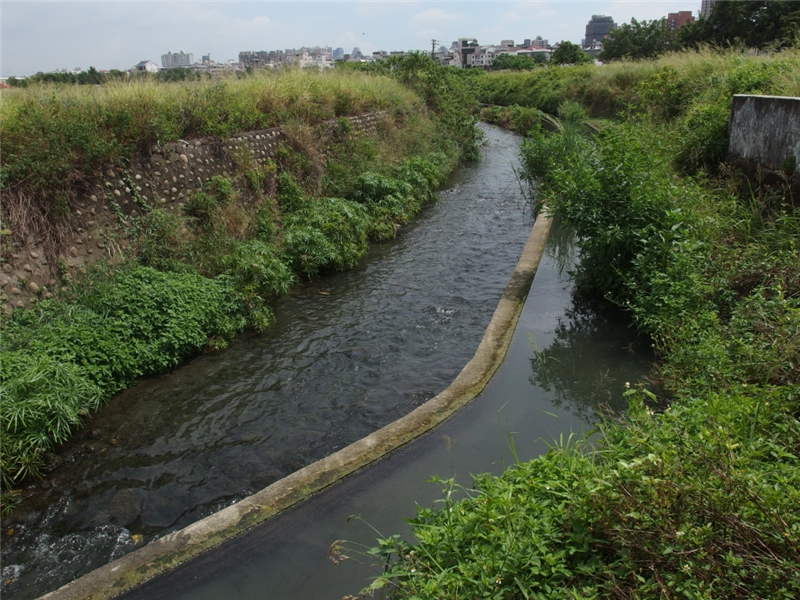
53	137
667	85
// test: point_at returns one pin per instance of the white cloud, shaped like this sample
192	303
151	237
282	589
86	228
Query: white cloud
435	16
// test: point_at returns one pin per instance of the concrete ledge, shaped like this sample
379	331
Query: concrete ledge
168	552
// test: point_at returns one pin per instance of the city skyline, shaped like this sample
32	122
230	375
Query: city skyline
47	36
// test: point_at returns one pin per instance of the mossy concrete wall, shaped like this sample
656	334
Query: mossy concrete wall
171	550
764	136
165	179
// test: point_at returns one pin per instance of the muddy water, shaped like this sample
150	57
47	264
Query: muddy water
565	363
348	354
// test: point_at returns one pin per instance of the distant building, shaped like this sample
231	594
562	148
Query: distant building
466	48
148	66
179	59
206	59
254	59
533	51
338	54
705	8
356	54
597	30
537	42
483	57
305	60
679	19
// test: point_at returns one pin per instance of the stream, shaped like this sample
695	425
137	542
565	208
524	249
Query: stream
567	362
347	354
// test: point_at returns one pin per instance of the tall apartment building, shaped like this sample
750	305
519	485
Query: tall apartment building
679	19
597	29
705	8
179	59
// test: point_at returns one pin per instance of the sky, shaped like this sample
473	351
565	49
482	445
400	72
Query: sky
46	36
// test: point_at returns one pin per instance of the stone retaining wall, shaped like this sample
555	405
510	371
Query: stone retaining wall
166	178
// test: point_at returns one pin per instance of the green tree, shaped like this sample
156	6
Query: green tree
752	23
637	40
568	53
512	62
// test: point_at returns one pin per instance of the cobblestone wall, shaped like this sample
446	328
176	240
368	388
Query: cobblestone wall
165	179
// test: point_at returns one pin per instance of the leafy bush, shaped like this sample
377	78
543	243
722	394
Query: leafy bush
221	189
291	197
700	501
390	202
59	360
159	241
200	206
330	235
259	274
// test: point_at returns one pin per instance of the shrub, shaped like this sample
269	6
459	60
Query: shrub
259	274
330	235
59	359
291	197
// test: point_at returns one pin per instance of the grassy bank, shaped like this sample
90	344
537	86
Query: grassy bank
194	277
695	494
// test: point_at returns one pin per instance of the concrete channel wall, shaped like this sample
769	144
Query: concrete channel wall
168	552
765	137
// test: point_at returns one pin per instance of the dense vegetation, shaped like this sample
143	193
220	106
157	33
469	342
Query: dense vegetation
753	24
194	278
693	494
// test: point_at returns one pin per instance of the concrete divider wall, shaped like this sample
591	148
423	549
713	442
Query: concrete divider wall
171	550
764	136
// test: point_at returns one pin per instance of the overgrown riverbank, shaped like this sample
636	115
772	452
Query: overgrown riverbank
694	494
195	275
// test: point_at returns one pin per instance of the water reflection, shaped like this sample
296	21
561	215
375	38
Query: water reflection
589	339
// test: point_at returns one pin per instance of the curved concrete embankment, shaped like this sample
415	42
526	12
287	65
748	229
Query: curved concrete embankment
171	550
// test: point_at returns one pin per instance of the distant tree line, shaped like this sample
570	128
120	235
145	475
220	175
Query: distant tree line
760	24
94	77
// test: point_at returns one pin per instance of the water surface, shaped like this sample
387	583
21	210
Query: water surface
347	354
567	362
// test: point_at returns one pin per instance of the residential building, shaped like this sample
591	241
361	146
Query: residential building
597	30
320	61
537	42
705	8
679	19
255	59
147	66
466	48
484	56
180	59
